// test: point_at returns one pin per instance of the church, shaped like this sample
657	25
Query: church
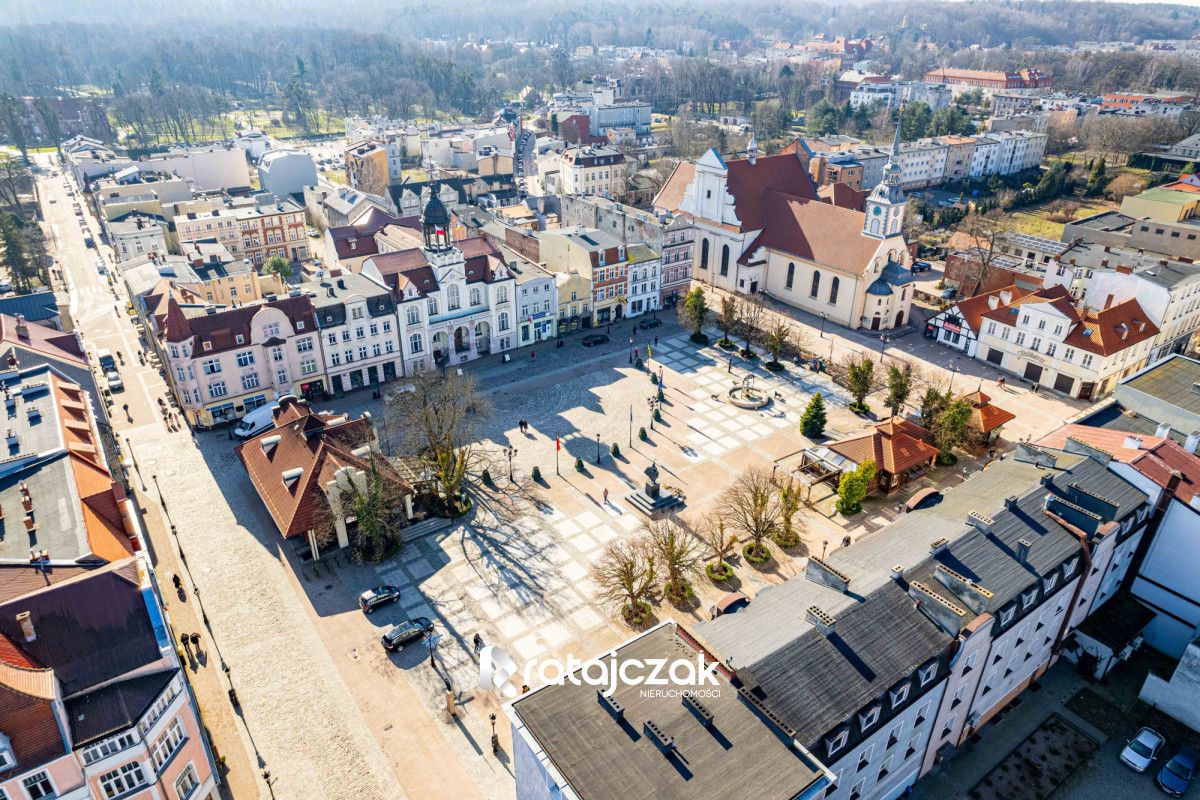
760	225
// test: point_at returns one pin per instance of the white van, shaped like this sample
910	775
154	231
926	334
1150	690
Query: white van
257	421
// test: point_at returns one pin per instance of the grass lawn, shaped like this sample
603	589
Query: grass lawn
1033	220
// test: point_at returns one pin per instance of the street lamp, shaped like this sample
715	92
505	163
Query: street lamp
510	452
650	401
597	449
824	316
883	343
429	639
953	374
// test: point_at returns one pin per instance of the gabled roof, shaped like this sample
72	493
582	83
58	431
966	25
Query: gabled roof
843	196
671	194
972	309
315	445
1155	457
223	327
819	232
754	186
894	445
1104	332
986	417
41	339
115	707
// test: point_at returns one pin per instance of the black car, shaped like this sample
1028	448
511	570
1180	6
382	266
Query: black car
405	633
595	338
651	322
921	266
372	599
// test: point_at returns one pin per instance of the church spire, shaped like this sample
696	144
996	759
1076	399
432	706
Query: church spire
886	204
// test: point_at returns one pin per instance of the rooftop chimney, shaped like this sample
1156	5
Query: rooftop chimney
993	302
898	573
22	327
980	522
820	620
26	623
1193	440
939	546
1132	442
820	572
1163	430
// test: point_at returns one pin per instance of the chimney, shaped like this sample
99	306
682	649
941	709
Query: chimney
820	620
22	327
1109	300
1010	503
1193	440
698	709
993	302
980	522
611	705
26	623
1104	262
898	573
1163	430
1132	442
939	546
821	572
948	616
1023	546
1006	297
664	743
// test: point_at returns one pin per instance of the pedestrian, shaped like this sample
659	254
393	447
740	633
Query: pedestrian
606	497
1000	381
656	341
531	355
1036	387
637	353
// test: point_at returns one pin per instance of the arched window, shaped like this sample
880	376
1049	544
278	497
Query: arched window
452	300
874	226
724	259
816	284
833	289
415	343
791	274
503	321
704	254
474	297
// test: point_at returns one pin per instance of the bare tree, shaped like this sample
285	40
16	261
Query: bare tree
714	529
441	421
778	338
624	575
752	506
677	557
751	312
727	318
986	232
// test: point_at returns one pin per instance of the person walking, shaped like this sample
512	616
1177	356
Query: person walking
606	497
1000	382
532	353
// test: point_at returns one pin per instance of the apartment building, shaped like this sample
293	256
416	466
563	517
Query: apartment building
208	168
359	331
224	363
600	258
590	169
960	151
645	278
922	163
1145	105
136	235
677	245
285	172
537	298
254	232
574	292
367	167
1046	339
984	79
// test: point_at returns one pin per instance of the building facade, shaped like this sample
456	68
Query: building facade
359	331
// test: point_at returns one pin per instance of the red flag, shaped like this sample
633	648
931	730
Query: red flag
557	443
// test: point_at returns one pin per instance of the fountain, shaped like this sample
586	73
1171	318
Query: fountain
747	396
650	498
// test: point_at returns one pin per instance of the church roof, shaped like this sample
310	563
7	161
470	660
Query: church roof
817	231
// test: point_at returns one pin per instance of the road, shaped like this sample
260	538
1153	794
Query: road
295	715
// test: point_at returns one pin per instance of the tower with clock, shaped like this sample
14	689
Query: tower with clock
886	204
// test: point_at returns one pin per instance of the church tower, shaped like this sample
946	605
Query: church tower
886	203
435	220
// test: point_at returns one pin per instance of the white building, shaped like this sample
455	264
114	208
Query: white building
537	299
254	143
645	278
922	163
455	300
285	172
210	168
359	331
136	235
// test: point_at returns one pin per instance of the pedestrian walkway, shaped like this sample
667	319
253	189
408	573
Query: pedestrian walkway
955	776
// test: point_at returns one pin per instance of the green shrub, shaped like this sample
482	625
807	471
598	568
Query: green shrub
578	464
615	450
536	474
642	434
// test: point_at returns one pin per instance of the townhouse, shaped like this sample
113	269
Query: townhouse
678	238
359	331
255	232
136	235
959	325
587	169
224	363
574	292
537	299
455	300
876	661
367	167
601	259
645	272
1046	339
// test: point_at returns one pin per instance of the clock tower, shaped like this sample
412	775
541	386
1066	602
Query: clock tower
886	203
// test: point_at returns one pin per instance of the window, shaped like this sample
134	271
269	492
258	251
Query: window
416	344
724	259
885	768
359	333
277	354
1006	615
239	339
452	299
414	315
308	367
836	742
894	736
270	329
927	673
864	758
119	781
187	783
362	353
245	358
475	297
816	284
335	358
281	376
431	306
1050	581
356	313
345	335
1086	361
217	389
331	338
1069	567
502	294
166	744
857	791
791	274
899	695
503	321
833	289
155	713
1020	338
38	785
304	345
387	326
250	381
210	366
106	748
1069	353
958	697
349	356
867	719
1028	599
969	664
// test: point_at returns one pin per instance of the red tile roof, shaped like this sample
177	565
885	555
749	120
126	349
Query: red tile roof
317	444
750	185
671	194
358	238
894	445
843	196
1153	456
223	327
818	232
1104	332
403	268
972	309
39	338
986	417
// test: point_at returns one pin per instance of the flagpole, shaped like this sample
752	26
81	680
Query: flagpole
557	447
631	426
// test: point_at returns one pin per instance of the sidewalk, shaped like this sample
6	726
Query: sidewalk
955	776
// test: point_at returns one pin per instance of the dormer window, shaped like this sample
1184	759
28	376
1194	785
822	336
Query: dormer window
927	673
239	339
1028	598
1006	615
899	695
1069	567
835	743
1050	581
207	346
8	759
868	718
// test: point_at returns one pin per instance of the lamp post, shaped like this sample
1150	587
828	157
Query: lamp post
597	449
824	316
510	452
429	639
883	343
953	374
650	401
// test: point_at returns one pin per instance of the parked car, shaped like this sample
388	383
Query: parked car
649	322
1176	775
372	599
405	633
1142	749
595	338
114	381
106	361
921	266
88	241
255	422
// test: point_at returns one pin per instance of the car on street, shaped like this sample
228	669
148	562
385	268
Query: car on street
405	633
1142	749
1176	775
651	322
53	200
595	338
372	599
114	381
89	242
921	266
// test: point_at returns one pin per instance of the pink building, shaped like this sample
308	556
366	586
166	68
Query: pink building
93	702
